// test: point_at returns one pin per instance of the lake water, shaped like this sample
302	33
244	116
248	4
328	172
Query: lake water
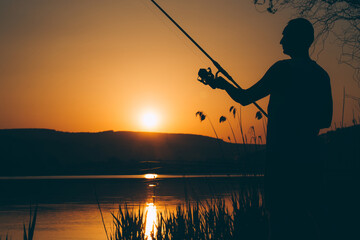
68	209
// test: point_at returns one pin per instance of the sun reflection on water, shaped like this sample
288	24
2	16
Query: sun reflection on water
150	176
151	220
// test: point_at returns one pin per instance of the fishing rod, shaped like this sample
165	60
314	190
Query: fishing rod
205	75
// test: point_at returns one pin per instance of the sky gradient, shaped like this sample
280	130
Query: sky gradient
90	66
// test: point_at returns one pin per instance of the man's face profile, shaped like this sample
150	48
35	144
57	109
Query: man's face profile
287	41
284	43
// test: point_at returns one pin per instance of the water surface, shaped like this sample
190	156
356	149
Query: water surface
68	209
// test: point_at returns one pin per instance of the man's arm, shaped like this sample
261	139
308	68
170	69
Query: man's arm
248	96
258	91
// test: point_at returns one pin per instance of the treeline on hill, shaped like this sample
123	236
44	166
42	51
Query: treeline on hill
50	152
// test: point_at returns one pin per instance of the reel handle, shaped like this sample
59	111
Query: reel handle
206	77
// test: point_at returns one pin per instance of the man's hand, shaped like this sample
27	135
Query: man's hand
207	77
220	83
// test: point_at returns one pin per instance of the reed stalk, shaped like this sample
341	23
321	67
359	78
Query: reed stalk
213	219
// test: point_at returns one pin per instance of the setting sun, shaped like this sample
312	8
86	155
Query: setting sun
149	120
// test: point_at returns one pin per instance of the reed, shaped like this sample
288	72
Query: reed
244	218
128	225
29	233
202	117
223	119
259	116
234	111
6	237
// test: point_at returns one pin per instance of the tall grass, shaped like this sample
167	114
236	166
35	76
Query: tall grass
234	111
6	237
202	117
214	219
223	119
259	116
28	233
128	225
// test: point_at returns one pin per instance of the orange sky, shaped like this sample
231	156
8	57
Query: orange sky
98	65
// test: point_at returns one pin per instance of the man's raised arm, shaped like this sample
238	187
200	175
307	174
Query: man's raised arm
247	96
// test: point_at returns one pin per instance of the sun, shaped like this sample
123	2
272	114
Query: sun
149	120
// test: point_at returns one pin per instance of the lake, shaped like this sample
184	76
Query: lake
68	205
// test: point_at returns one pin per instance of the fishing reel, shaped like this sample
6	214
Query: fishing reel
206	77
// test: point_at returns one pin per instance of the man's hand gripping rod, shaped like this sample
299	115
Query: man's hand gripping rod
216	64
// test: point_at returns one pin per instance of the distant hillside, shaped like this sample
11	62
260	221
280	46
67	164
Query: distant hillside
50	152
43	152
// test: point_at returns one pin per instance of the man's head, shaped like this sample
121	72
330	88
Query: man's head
298	36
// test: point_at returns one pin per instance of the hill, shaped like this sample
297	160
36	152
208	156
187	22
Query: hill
48	152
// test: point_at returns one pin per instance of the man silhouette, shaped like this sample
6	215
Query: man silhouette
300	105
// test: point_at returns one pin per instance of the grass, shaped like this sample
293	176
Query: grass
128	225
202	117
233	111
28	233
223	119
244	218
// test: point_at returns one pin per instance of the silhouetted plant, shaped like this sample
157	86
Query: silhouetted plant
354	120
29	233
223	119
211	219
6	237
128	225
249	217
233	111
259	116
202	117
252	134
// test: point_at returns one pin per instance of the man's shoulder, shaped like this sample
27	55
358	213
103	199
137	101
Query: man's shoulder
279	67
282	62
285	63
320	70
298	65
